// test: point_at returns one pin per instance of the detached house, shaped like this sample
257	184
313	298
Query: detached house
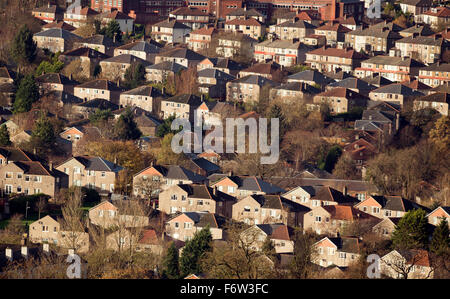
280	235
387	206
439	214
55	82
341	251
242	186
170	31
91	172
191	17
56	40
268	209
143	97
250	27
361	150
416	263
183	226
126	23
247	89
333	219
98	89
332	59
195	198
316	196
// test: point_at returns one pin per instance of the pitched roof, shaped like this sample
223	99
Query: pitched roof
205	192
244	22
59	33
15	154
244	12
330	26
48	9
189	99
85	11
188	11
99	39
438	67
142	46
397	203
297	24
6	73
167	66
145	90
117	15
101	104
298	86
97	163
440	12
60	25
206	30
342	212
100	84
380	30
397	88
176	172
262	68
353	83
436	97
85	52
377	80
32	167
126	59
393	60
55	78
310	75
174	24
422	40
254	79
335	52
148	236
342	92
277	231
215	73
346	244
202	219
182	53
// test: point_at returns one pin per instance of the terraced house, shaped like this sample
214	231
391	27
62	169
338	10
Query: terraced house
283	52
247	89
170	31
426	49
200	39
250	27
194	18
142	49
91	172
327	59
291	30
435	75
396	69
48	13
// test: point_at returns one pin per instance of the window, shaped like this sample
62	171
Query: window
103	174
342	255
200	202
9	175
246	209
318	219
187	225
183	198
173	197
100	213
176	225
330	251
19	189
173	210
111	213
19	175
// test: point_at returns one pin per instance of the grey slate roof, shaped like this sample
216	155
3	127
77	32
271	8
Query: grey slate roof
167	66
397	203
398	88
422	40
377	80
127	59
182	53
189	99
254	79
174	24
353	83
101	104
55	78
100	84
98	164
298	86
310	75
176	172
298	24
393	60
99	39
145	90
215	73
59	33
142	46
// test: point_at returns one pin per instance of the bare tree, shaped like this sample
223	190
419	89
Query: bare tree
406	264
73	225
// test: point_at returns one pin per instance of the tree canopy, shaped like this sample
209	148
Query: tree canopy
194	250
26	95
23	47
411	231
126	128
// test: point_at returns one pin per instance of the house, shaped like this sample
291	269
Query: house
283	52
146	122
250	27
269	209
332	59
247	89
115	67
98	42
341	251
341	99
353	84
149	241
292	30
410	264
394	92
74	134
212	113
163	177
183	226
159	72
314	40
107	215
383	206
31	177
293	91
333	219
415	7
439	214
244	13
213	82
378	38
56	40
98	89
126	23
437	101
316	196
232	44
311	77
55	82
376	80
201	166
192	17
182	106
386	227
426	49
91	172
48	13
170	31
142	49
242	186
200	39
361	150
195	198
86	108
13	154
396	69
333	31
79	17
349	22
279	234
143	97
183	56
88	58
60	25
436	17
435	75
21	137
424	30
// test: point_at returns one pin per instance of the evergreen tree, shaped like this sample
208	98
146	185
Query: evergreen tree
171	266
268	248
113	29
194	250
126	128
4	136
26	95
23	48
53	66
411	231
135	75
440	243
43	135
331	159
166	127
276	112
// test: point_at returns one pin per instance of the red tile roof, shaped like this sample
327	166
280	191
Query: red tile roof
204	31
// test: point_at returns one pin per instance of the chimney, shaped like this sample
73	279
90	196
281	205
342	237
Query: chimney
24	251
46	247
50	166
9	254
344	190
215	190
